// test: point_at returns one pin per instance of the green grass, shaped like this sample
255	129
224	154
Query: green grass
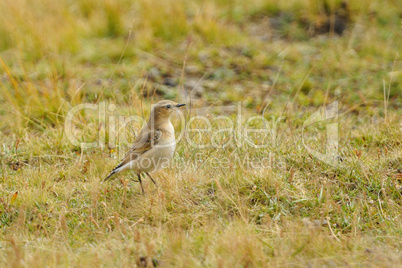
213	208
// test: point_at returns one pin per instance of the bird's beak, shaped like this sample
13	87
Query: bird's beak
180	104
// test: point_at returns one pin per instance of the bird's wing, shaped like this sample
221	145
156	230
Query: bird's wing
145	141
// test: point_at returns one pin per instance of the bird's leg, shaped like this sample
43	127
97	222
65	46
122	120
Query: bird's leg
132	176
151	179
139	179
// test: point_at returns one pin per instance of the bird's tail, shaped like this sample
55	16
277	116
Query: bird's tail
109	176
114	171
119	168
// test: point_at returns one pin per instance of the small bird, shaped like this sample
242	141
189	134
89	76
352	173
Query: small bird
155	145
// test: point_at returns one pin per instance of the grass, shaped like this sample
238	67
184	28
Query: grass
235	206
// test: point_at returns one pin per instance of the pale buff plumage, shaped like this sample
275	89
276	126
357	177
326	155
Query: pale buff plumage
154	146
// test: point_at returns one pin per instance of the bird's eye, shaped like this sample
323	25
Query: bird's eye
168	106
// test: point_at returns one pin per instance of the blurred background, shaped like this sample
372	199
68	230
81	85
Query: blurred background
279	59
55	54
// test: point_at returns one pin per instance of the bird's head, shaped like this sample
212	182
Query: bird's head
163	109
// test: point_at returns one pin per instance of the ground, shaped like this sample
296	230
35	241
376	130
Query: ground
321	186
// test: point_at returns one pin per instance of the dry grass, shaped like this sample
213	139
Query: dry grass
212	208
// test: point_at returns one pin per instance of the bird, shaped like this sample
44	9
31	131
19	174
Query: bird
154	146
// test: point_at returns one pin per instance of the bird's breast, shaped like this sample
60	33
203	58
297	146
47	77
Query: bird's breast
167	142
